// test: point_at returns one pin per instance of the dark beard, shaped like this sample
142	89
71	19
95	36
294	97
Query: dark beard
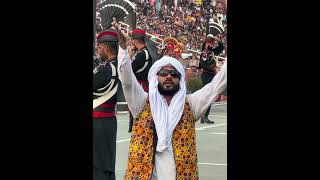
170	92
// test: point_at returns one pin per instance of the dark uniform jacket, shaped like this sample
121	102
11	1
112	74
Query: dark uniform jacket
105	81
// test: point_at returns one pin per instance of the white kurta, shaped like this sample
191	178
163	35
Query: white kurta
136	98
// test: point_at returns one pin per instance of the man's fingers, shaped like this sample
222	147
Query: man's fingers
115	24
114	21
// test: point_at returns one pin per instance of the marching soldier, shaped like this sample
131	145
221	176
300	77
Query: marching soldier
105	87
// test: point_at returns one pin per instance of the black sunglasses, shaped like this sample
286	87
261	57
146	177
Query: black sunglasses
165	73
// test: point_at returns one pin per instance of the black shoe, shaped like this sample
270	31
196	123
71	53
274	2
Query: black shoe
208	121
202	120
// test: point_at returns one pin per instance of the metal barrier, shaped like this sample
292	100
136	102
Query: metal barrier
125	27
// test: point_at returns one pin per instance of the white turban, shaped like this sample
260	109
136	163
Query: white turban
165	118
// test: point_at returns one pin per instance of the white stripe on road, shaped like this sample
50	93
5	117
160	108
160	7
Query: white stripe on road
217	115
122	103
212	164
122	112
219	103
206	127
218	133
123	140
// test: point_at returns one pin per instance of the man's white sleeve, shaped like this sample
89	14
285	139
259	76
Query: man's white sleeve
133	92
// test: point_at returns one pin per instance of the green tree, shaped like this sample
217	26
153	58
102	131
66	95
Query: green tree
194	83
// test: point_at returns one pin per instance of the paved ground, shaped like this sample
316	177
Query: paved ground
211	145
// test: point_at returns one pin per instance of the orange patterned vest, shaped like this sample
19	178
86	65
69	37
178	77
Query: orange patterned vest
143	144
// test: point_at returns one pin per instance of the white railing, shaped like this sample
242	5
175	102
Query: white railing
199	52
127	29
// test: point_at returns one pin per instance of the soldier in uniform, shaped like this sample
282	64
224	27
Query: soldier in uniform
208	65
105	87
141	61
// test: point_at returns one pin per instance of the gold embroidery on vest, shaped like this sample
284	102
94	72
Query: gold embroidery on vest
141	148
